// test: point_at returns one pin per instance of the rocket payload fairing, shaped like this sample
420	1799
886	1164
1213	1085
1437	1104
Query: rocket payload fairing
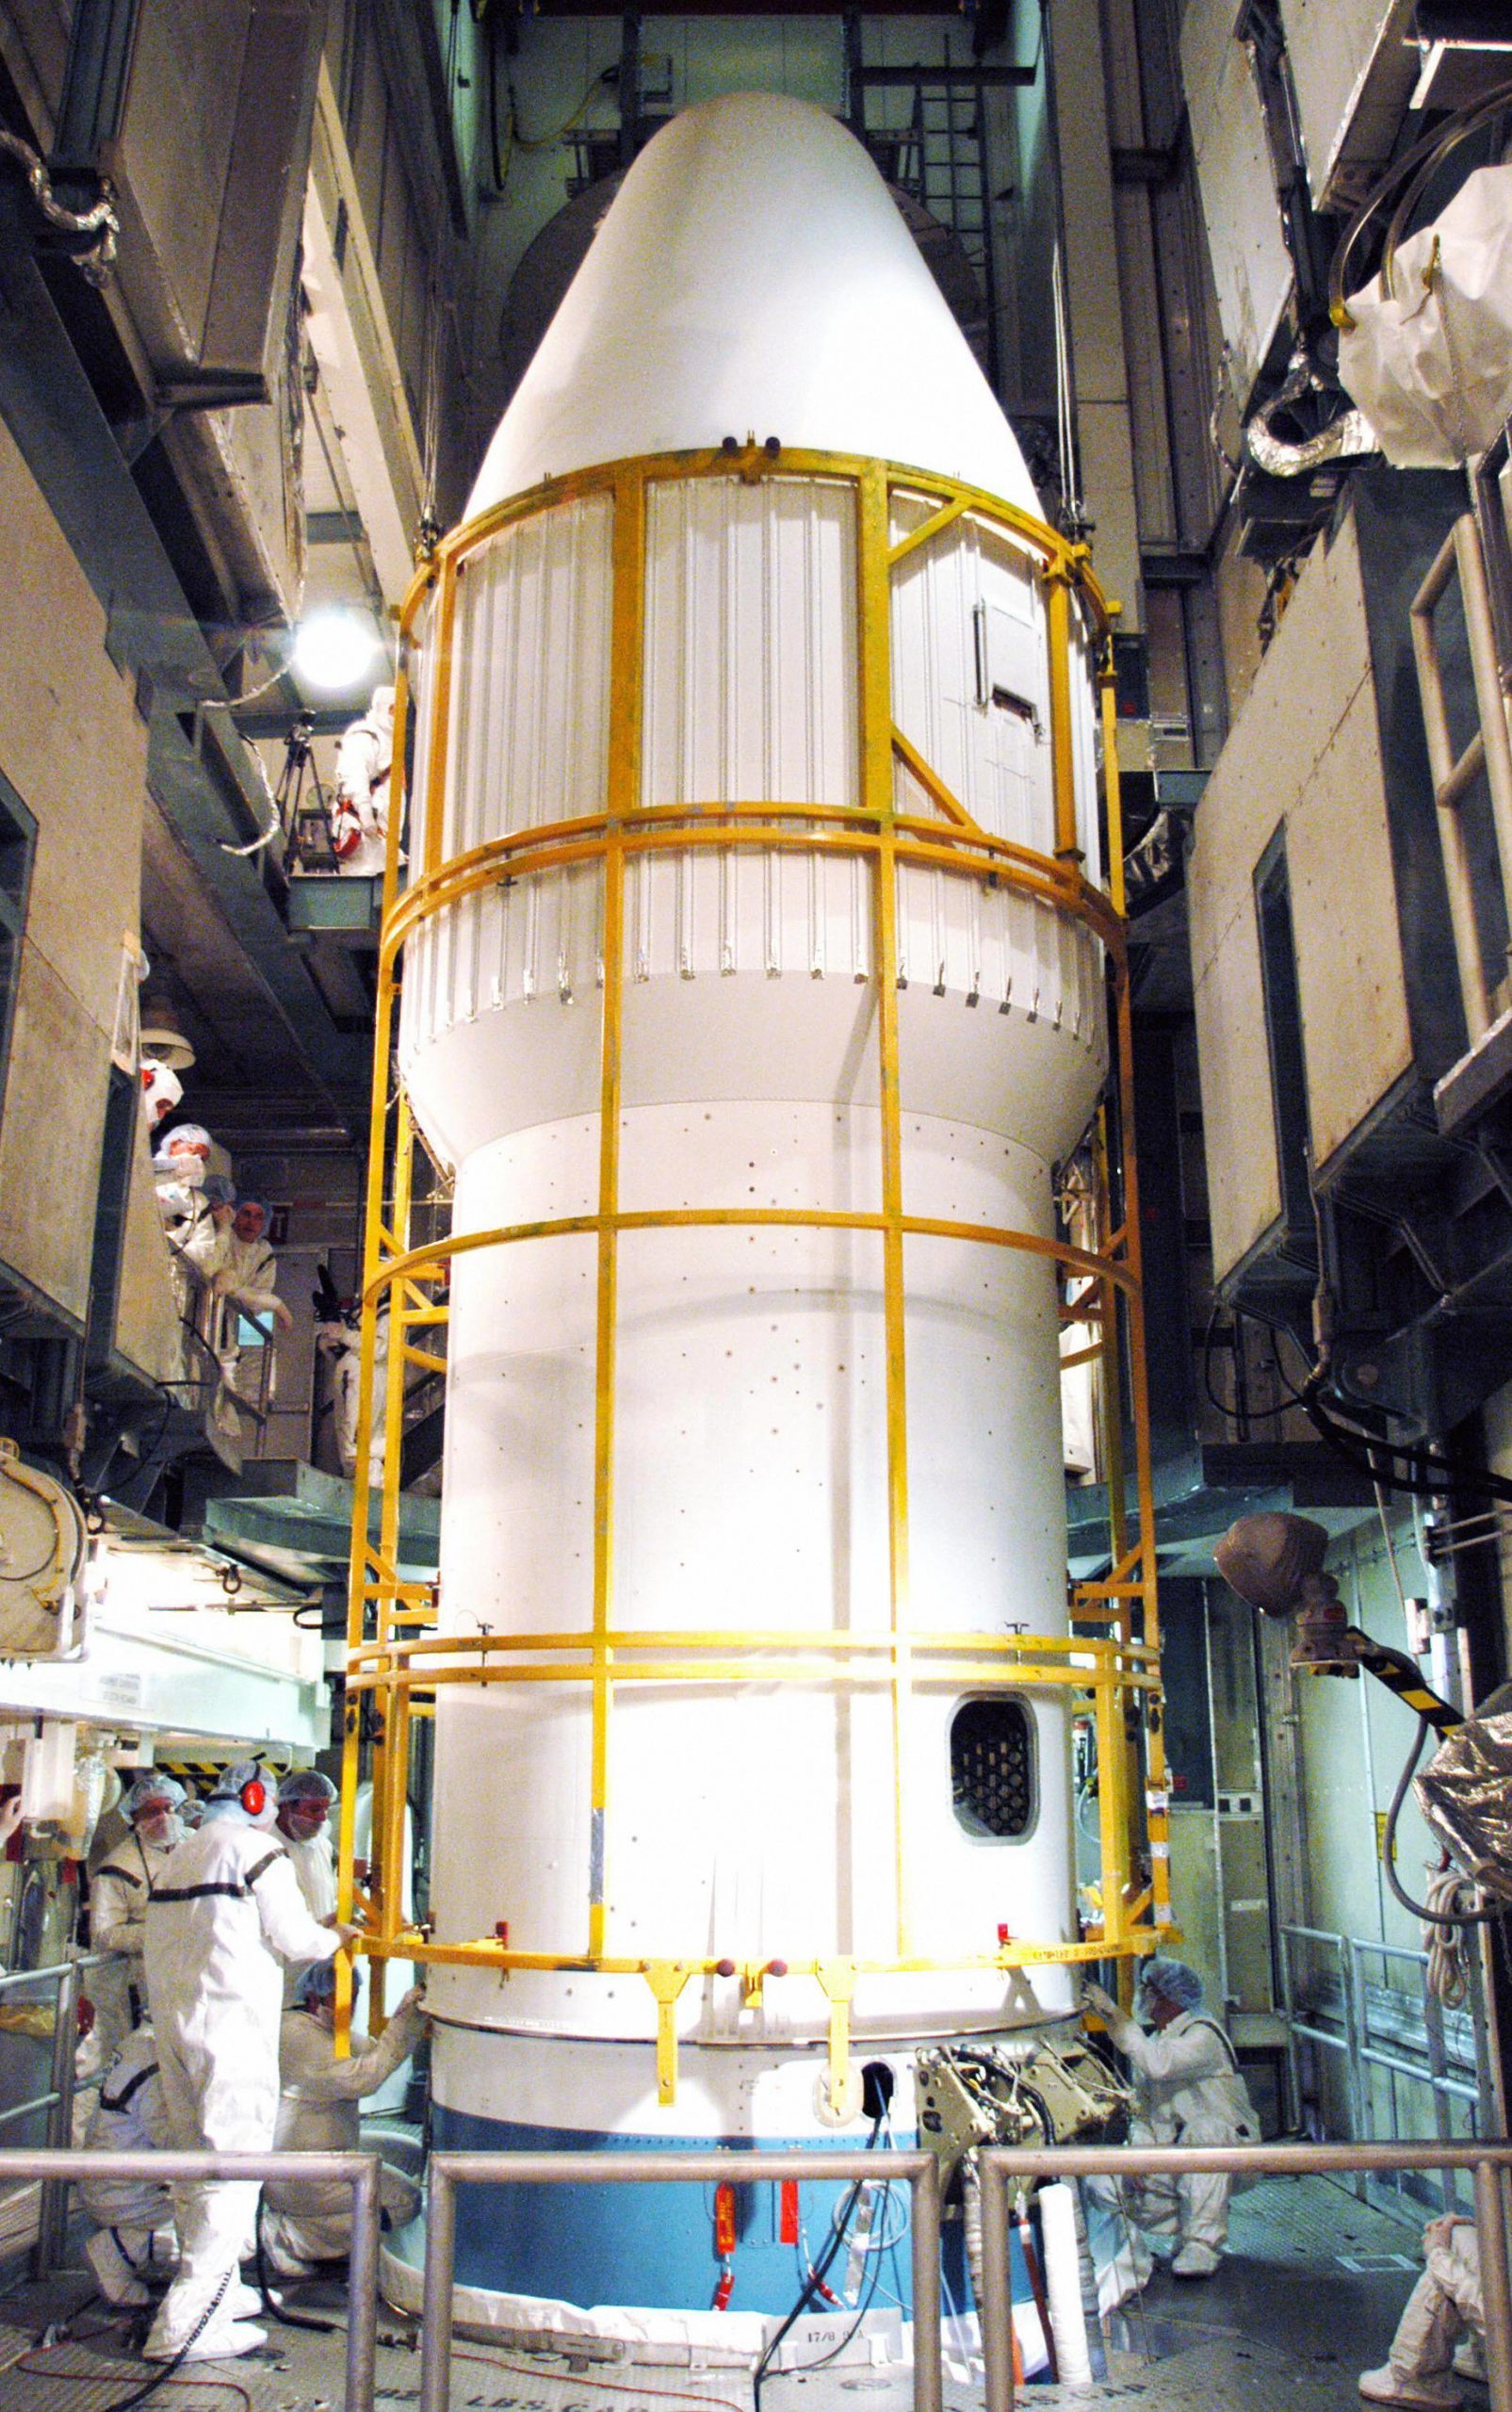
753	986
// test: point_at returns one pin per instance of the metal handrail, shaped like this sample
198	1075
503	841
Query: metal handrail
450	2169
58	2100
206	1326
1354	2044
1003	2165
358	2170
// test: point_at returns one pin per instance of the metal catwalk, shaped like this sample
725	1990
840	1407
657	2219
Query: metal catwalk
1307	2299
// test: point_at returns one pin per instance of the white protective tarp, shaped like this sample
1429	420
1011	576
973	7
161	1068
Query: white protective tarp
1430	363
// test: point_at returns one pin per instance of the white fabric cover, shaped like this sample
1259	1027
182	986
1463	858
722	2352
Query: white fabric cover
1430	364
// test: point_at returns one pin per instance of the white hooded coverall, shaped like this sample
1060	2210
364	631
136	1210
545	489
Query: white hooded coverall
217	1938
319	2112
1191	2093
120	1890
1445	2304
314	1867
364	759
132	2116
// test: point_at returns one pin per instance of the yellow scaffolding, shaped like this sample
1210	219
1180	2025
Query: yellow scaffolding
397	1663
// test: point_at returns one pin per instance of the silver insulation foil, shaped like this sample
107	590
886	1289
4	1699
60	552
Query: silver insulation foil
1464	1793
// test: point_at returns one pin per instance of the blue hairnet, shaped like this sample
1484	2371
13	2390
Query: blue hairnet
262	1205
1172	1980
305	1783
149	1787
318	1982
218	1189
230	1781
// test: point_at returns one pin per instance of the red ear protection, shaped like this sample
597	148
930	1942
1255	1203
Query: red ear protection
254	1797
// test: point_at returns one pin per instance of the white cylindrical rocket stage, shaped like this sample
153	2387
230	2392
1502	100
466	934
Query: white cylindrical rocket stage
764	1449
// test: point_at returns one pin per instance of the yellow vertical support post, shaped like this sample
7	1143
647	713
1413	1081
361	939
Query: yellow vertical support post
874	617
390	1769
1062	767
440	723
623	790
1157	1817
1112	1796
1115	1840
1111	781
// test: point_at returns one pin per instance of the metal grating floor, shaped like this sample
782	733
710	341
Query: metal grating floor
1307	2299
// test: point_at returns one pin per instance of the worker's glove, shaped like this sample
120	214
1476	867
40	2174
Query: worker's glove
413	2004
1094	1998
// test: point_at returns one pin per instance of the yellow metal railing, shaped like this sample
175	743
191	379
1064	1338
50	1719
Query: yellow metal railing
395	1664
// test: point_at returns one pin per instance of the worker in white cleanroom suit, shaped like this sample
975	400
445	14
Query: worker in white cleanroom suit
364	759
305	1800
338	1338
217	1935
161	1091
120	1890
134	2237
306	2220
178	1172
246	1277
1442	2326
1190	2092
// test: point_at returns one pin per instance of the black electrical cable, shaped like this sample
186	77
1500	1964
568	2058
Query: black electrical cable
1427	1474
868	2297
817	2275
1418	1908
274	2310
170	2370
1434	1476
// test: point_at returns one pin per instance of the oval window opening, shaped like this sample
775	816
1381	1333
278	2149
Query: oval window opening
992	1768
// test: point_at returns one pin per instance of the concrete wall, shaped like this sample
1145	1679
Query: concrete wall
72	746
1306	752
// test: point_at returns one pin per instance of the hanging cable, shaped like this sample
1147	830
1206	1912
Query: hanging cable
817	2275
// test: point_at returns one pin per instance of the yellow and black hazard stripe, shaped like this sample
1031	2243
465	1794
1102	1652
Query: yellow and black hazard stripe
1401	1676
203	1774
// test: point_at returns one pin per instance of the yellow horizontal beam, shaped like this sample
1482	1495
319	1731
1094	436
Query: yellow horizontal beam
406	1943
670	468
840	829
746	1671
826	1644
678	1218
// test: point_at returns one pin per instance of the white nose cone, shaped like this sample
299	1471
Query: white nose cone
753	276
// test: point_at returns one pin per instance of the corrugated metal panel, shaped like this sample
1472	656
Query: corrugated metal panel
751	684
751	670
971	693
533	621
